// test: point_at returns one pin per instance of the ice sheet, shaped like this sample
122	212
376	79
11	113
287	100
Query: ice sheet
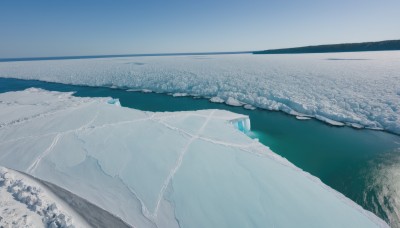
363	93
24	202
187	169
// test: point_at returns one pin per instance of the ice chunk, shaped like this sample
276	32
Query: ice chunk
146	91
329	121
217	100
232	101
180	94
356	125
302	118
114	102
250	107
242	124
187	169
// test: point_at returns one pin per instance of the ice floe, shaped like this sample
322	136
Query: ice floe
216	100
250	107
172	169
232	101
302	118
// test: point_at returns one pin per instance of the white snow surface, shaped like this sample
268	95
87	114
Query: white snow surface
172	169
352	88
24	202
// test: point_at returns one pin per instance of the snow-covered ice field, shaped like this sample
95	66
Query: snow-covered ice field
172	169
24	202
358	89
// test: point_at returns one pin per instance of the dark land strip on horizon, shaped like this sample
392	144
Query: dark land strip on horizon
387	45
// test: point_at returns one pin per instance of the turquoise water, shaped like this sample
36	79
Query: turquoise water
363	164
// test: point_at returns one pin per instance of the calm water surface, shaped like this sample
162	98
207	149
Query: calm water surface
363	164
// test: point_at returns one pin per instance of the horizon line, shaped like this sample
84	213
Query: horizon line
119	55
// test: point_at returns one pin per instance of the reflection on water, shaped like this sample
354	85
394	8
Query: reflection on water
382	191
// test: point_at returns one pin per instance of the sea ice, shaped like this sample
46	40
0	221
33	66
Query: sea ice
302	117
114	102
24	202
216	100
172	169
357	93
180	94
232	101
250	107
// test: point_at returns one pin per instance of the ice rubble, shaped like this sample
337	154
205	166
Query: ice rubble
26	203
216	100
357	93
180	169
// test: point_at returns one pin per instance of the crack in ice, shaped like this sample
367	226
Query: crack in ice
207	139
41	115
34	165
179	163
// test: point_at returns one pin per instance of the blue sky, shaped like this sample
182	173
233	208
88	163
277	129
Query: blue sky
83	27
